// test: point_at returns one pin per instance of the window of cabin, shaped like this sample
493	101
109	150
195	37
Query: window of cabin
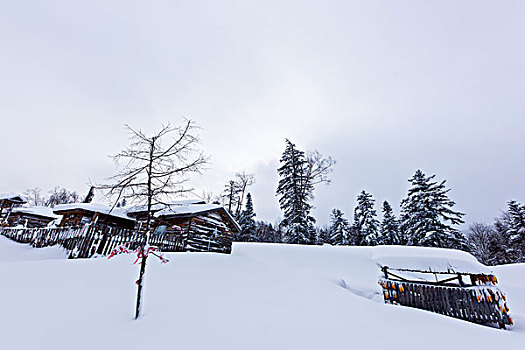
160	230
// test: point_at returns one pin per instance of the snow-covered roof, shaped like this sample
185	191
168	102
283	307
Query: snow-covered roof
156	207
12	196
92	207
189	209
37	210
427	259
194	209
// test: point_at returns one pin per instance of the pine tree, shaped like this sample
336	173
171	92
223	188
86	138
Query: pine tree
389	230
339	230
365	222
516	229
295	191
322	235
427	217
247	223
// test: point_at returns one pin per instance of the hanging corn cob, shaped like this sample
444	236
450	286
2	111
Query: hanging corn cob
471	297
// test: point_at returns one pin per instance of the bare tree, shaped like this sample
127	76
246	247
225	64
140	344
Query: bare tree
34	197
230	195
209	197
318	168
60	195
243	181
235	191
154	169
480	237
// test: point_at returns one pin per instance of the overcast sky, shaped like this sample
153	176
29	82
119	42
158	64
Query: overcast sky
385	87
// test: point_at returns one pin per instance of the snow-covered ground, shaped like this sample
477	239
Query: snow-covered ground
261	297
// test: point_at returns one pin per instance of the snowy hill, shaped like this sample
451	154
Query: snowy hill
260	297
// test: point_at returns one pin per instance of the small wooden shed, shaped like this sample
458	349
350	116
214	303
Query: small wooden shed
32	216
8	201
79	214
198	227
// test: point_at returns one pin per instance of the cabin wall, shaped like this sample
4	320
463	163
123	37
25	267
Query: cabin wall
75	218
29	220
6	206
208	232
81	217
141	220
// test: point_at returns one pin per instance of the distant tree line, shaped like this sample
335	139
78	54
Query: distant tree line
57	195
426	219
503	242
427	216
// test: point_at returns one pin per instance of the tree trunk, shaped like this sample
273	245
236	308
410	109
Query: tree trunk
140	284
140	281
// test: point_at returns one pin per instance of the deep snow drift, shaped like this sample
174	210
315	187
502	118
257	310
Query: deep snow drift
262	296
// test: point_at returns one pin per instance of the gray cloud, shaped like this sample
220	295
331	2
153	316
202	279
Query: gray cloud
384	87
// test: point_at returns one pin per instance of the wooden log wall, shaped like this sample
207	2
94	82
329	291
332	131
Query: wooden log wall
28	220
479	304
209	233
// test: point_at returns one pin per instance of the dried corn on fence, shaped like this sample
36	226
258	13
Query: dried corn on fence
87	241
470	297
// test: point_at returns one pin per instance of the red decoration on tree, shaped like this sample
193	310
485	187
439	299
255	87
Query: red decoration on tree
123	249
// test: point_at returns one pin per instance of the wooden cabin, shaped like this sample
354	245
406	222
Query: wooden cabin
7	203
32	216
80	214
197	227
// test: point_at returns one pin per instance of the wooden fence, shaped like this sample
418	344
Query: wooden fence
480	302
87	241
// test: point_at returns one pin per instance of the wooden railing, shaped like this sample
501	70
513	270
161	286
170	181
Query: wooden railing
87	241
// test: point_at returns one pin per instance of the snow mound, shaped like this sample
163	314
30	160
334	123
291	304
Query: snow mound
263	296
14	252
427	259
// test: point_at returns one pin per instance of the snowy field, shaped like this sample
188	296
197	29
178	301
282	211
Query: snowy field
260	297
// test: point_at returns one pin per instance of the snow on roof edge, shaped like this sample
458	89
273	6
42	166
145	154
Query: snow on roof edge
193	209
95	208
157	207
4	196
37	210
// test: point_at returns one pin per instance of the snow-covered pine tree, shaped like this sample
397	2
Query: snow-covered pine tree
516	229
417	216
427	217
389	230
248	227
294	191
448	236
322	235
312	230
339	230
365	222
